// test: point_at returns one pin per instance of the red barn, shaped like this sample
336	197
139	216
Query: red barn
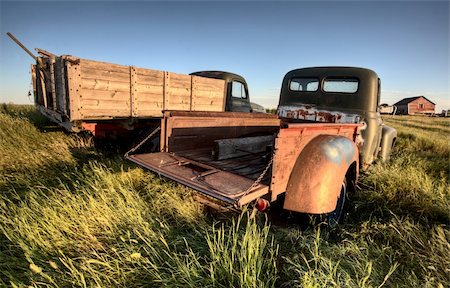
417	105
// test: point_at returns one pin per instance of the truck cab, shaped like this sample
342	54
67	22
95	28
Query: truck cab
339	95
237	98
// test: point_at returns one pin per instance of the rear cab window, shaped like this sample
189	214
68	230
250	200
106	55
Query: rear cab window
341	85
304	84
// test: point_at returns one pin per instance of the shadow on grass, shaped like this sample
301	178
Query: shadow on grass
13	264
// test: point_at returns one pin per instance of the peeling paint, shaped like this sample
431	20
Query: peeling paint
309	112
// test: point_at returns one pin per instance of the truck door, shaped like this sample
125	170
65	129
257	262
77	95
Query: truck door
238	100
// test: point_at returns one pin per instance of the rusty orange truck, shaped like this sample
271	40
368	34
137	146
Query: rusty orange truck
308	155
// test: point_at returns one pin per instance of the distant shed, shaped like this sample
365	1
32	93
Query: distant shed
417	105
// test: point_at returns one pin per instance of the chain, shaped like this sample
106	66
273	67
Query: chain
143	141
257	181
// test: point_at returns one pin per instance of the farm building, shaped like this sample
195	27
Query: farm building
415	105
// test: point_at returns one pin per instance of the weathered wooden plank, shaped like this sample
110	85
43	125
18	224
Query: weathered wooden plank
97	65
150	113
141	72
206	108
166	91
209	84
151	97
105	103
157	80
210	104
103	111
179	79
151	89
51	64
105	85
180	91
152	102
105	95
207	94
175	99
74	79
134	103
146	90
60	76
231	148
33	81
105	75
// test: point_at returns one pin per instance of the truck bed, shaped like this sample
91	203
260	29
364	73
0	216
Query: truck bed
188	144
69	90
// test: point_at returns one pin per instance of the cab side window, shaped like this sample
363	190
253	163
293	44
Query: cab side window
238	90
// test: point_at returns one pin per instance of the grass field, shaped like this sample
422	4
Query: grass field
75	216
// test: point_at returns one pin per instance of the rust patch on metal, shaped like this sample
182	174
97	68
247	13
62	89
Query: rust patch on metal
318	173
309	112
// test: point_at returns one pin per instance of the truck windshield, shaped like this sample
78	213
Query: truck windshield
304	84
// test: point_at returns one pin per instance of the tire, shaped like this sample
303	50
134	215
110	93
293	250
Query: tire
332	218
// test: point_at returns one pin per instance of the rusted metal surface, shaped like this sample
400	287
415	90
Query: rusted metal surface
291	141
315	182
236	147
221	185
250	165
196	130
311	113
189	140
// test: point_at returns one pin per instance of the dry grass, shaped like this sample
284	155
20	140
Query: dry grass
72	217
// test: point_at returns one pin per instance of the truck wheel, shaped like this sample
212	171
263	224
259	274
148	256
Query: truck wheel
332	218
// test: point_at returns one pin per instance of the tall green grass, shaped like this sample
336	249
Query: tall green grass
72	217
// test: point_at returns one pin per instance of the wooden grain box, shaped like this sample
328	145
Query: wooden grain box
69	89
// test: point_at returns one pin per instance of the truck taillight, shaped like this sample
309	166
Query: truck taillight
262	204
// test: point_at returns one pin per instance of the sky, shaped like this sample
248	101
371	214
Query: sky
405	43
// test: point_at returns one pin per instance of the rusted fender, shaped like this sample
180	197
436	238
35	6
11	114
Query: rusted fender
315	182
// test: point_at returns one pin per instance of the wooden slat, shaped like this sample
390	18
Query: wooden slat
61	86
103	66
104	103
151	97
134	103
149	72
157	79
51	63
144	91
105	75
151	89
74	79
105	85
208	94
181	92
219	86
105	95
166	91
209	108
33	81
155	103
208	105
105	113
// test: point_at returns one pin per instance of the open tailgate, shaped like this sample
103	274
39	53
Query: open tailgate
221	185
